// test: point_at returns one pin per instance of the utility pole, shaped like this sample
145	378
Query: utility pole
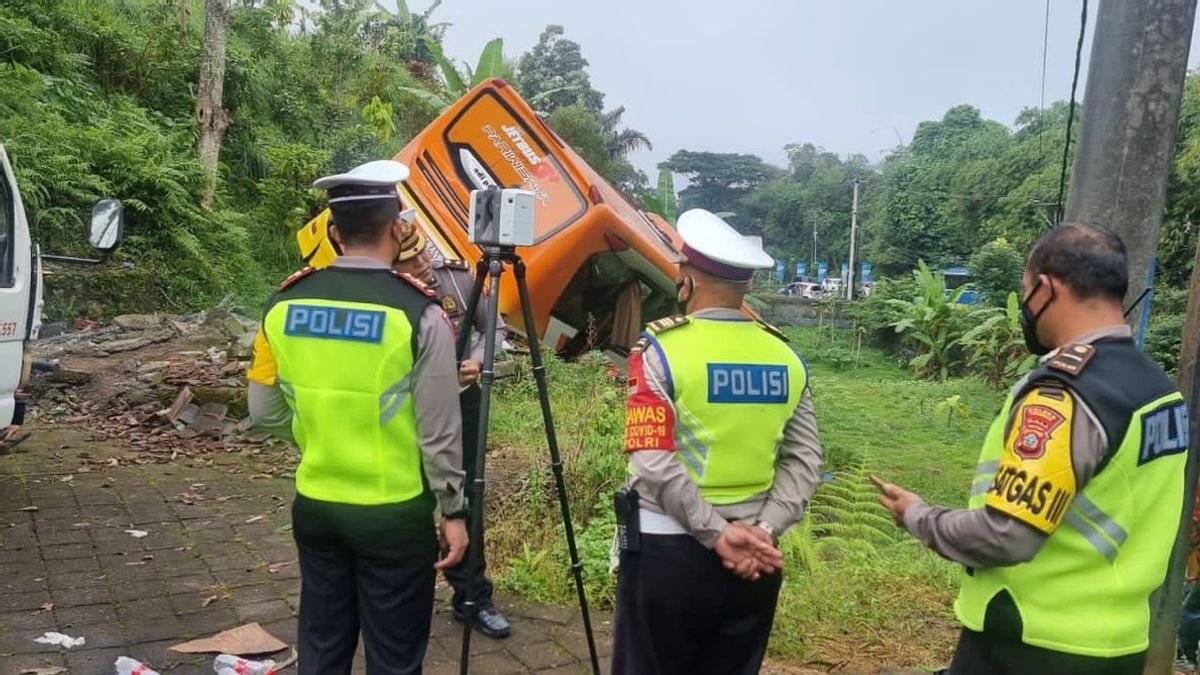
853	235
814	259
1127	133
1126	141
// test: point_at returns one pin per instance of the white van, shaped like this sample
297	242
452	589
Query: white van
21	282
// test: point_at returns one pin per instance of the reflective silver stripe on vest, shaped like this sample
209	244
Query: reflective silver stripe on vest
1093	536
690	438
1088	508
987	467
393	398
981	486
985	473
688	455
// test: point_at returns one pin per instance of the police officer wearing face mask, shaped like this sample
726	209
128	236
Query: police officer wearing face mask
1078	489
451	284
355	364
724	456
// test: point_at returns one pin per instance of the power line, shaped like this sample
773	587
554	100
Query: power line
1062	177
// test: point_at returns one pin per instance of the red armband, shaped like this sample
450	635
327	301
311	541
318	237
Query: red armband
649	417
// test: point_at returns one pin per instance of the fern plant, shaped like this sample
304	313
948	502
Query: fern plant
843	516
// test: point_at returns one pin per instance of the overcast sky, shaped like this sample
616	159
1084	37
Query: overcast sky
755	75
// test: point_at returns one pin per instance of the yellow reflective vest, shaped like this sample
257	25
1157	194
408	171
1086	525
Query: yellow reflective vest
343	344
734	383
1087	590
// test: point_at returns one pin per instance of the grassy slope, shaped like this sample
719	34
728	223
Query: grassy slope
847	603
889	605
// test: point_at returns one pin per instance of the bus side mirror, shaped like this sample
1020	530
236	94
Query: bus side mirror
107	225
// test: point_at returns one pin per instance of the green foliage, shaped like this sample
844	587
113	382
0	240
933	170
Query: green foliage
97	102
877	313
875	418
456	83
554	74
717	181
815	189
932	322
837	357
996	345
996	270
1164	334
585	133
666	195
844	514
951	407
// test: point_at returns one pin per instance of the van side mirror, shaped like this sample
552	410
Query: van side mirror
107	225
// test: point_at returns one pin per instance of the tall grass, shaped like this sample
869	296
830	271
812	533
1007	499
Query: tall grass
852	577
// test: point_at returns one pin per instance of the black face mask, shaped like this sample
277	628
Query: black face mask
1029	321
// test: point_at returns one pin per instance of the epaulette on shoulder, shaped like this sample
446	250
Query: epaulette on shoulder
1071	359
640	346
460	265
660	326
772	330
415	283
296	276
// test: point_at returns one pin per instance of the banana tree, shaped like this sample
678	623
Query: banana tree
458	82
933	322
996	345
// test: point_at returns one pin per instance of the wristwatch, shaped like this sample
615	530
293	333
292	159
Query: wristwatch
460	514
766	527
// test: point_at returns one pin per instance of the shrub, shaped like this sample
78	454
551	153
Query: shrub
995	347
932	322
996	270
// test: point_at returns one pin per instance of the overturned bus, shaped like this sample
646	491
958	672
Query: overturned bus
600	267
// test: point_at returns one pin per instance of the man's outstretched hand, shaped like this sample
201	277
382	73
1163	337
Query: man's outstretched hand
748	551
895	498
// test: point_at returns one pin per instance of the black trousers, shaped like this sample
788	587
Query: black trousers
468	585
981	654
680	612
367	568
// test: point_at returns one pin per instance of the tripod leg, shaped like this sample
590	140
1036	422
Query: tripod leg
476	489
539	374
464	332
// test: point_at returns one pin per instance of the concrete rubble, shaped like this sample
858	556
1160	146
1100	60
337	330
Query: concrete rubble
152	379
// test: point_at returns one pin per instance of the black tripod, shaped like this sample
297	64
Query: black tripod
492	265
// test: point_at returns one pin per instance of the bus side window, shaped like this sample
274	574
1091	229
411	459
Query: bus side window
7	222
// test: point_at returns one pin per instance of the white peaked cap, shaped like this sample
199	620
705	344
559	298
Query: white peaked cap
712	245
373	180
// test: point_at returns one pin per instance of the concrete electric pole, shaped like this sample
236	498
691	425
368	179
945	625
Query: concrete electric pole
814	258
1127	133
853	235
1126	140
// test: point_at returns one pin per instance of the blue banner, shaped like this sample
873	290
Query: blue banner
845	271
801	269
822	272
781	270
867	273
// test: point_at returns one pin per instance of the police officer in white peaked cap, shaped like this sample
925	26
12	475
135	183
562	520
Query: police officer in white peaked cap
355	364
724	455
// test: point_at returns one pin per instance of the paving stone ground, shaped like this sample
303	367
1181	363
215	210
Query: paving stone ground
69	566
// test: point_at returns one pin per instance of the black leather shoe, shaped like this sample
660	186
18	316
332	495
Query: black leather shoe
488	621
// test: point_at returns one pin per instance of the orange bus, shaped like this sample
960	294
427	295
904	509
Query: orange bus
600	267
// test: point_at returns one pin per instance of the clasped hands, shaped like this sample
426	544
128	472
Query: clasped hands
748	551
